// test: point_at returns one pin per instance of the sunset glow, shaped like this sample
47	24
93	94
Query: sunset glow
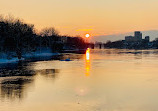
78	55
87	35
76	17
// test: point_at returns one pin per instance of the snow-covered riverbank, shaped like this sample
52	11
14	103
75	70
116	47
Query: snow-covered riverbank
42	53
5	58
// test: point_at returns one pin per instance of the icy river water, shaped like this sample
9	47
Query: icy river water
100	80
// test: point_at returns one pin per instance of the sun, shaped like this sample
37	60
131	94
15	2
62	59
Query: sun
87	35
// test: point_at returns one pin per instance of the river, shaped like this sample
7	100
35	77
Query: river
100	80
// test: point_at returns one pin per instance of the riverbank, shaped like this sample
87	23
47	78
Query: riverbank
28	57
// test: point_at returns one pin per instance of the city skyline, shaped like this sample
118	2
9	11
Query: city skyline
79	17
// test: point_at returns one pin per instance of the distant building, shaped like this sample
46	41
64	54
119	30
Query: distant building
129	38
147	39
137	37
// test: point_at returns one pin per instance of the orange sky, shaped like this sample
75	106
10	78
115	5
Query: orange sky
77	17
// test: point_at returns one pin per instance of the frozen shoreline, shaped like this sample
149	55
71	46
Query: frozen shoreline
26	56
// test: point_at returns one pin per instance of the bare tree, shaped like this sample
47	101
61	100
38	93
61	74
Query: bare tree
49	32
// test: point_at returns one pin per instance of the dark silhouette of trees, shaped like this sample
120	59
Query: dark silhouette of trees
49	32
20	38
116	44
16	36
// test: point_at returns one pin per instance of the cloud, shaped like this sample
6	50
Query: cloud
84	30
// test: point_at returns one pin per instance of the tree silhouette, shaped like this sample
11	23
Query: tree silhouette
49	32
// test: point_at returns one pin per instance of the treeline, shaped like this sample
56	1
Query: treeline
19	37
116	44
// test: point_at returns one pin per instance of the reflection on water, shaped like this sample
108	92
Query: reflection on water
88	55
14	80
88	62
50	73
14	88
19	69
118	80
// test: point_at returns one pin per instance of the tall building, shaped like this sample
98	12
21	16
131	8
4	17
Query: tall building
138	36
147	39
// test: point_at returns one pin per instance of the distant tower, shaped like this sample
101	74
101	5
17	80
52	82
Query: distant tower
147	38
138	36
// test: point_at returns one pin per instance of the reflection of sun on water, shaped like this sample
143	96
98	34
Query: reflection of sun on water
88	62
87	55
